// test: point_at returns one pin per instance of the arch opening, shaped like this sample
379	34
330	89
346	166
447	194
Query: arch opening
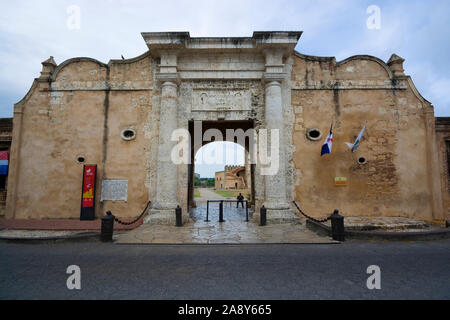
219	166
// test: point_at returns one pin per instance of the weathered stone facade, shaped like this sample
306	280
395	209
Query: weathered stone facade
443	147
233	177
81	107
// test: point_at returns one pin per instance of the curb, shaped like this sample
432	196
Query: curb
325	230
81	236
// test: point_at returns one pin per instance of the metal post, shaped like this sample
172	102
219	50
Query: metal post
262	216
447	223
178	217
246	211
337	226
221	212
207	211
107	227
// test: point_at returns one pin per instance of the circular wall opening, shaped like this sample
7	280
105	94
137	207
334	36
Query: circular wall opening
128	134
313	134
81	159
362	160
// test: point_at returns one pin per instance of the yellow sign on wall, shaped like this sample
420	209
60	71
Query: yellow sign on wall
340	181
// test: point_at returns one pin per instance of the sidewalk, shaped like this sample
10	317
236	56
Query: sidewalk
233	231
60	225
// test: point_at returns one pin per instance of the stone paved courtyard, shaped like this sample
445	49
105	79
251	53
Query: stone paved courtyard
233	231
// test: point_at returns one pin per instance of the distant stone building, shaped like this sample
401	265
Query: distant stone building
233	177
121	116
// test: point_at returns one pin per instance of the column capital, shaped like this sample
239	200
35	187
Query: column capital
269	77
168	77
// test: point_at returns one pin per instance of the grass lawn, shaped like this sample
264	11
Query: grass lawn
197	193
232	193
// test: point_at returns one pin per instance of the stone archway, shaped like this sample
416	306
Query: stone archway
217	80
202	128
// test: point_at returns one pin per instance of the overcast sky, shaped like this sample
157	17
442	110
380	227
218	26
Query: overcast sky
31	31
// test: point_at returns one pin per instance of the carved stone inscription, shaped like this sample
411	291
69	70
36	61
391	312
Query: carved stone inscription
115	190
221	100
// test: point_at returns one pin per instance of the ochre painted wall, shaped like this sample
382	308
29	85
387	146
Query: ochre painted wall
83	106
395	179
82	116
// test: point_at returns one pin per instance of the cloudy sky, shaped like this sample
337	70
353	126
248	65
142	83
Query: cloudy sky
31	31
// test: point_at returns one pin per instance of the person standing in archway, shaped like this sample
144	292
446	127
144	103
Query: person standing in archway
240	199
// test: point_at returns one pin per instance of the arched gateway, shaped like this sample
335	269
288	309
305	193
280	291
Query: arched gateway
128	116
222	82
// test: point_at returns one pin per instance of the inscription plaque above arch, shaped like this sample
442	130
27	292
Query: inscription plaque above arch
221	100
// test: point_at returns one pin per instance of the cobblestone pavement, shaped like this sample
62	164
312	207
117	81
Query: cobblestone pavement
233	231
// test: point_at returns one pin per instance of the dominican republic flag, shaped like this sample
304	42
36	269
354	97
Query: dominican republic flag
326	148
4	162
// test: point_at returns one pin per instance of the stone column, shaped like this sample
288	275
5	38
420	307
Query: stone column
278	209
275	188
276	183
163	210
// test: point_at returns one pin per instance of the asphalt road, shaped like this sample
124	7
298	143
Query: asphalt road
409	270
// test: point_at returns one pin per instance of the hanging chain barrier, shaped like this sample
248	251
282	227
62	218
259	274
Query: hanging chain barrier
311	218
135	220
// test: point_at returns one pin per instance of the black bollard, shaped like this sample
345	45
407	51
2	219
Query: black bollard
107	227
207	211
262	216
178	217
221	212
337	226
447	223
246	211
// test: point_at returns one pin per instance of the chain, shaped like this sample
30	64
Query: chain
311	218
135	220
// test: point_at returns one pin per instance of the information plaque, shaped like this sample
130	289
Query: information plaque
114	190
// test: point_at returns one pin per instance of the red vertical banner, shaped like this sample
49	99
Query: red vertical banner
88	192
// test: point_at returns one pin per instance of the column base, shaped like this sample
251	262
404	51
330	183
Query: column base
161	217
279	216
280	213
163	214
164	217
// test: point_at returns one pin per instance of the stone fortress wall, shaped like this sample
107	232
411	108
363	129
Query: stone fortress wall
77	112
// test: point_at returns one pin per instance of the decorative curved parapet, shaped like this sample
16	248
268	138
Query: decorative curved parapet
367	57
27	95
74	60
416	92
314	58
342	62
130	60
104	65
389	82
108	82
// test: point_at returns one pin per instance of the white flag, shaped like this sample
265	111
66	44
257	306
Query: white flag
355	145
